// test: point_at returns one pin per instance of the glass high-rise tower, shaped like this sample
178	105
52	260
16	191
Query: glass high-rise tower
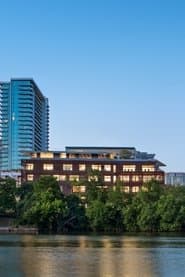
24	122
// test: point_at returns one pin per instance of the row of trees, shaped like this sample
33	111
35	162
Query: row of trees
155	208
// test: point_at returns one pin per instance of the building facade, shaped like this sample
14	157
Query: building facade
127	166
24	121
175	178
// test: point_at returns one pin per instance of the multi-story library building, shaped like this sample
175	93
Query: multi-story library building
123	165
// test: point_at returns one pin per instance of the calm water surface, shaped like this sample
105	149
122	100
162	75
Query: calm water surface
107	256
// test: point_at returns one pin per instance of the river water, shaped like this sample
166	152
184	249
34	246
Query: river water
84	256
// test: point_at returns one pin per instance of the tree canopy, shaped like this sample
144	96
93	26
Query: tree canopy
155	208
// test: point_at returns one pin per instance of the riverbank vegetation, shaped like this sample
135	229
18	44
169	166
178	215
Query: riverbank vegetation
41	204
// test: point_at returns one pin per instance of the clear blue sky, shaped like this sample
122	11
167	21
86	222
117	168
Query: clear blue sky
113	70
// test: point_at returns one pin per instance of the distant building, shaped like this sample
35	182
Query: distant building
125	165
16	175
24	122
175	178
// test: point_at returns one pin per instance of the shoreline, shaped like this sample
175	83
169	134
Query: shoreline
19	230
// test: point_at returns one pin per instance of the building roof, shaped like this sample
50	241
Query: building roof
71	148
98	160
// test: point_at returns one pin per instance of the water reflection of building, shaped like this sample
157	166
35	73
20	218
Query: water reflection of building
125	257
38	257
101	256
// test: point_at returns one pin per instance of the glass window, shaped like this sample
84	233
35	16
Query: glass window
126	189
29	166
124	178
82	167
67	167
129	167
30	177
96	167
107	178
48	166
79	189
135	189
74	178
147	178
60	177
93	178
57	177
135	178
114	179
63	155
150	168
107	167
63	177
159	178
46	155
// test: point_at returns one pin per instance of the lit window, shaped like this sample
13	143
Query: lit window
112	156
148	178
30	177
82	167
107	178
63	177
150	168
159	178
46	155
96	167
124	178
126	189
57	177
129	167
67	167
135	178
144	188
107	167
93	178
114	179
114	168
29	166
48	166
60	177
74	178
72	156
79	189
135	189
63	155
61	188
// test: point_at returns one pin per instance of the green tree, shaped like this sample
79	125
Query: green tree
95	212
105	212
125	154
7	196
95	187
171	210
24	195
130	214
76	219
141	214
47	212
148	219
113	209
46	207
